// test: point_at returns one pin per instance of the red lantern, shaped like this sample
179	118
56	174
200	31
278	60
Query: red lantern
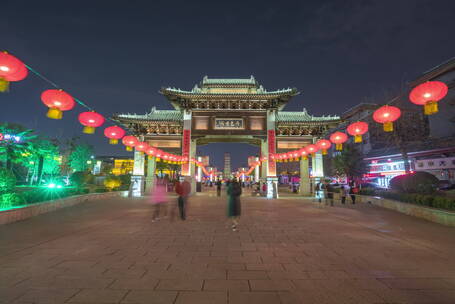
151	151
129	141
141	146
387	115
90	121
303	153
57	101
428	94
289	156
357	129
338	138
114	133
323	144
1	136
158	154
11	69
311	149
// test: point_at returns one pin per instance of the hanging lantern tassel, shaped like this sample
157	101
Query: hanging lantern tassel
388	126
54	113
430	108
128	148
324	151
113	141
339	147
305	157
4	85
358	138
88	130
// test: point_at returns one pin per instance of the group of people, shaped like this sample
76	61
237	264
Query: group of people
159	199
183	190
328	191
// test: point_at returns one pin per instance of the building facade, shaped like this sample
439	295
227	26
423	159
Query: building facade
426	143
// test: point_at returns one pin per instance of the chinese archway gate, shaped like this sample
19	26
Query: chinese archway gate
229	110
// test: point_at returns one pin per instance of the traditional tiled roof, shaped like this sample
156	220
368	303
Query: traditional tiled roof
228	88
206	81
435	72
196	93
154	115
284	116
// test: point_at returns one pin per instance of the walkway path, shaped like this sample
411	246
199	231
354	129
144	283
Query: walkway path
286	251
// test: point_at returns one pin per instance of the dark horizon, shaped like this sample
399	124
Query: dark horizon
116	57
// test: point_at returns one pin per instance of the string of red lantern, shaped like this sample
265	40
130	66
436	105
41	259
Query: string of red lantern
57	100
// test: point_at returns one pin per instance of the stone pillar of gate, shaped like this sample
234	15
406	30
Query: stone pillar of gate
317	167
263	178
272	179
256	171
150	179
137	179
305	187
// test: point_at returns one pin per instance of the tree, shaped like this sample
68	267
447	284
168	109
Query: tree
12	149
80	157
349	163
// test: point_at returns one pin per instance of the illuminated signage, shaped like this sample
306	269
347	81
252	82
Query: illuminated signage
229	123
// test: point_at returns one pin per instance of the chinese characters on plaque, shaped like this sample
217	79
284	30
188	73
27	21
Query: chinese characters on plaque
229	123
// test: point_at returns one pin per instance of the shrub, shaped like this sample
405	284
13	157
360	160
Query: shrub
7	180
81	178
8	200
100	190
418	182
125	180
112	182
367	191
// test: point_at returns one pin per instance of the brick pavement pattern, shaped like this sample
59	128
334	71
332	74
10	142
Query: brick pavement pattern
286	251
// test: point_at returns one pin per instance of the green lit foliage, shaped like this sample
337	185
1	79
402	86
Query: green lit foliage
7	180
33	155
349	163
12	151
8	200
7	184
80	157
81	178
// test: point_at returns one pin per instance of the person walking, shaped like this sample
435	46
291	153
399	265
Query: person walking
183	189
330	190
234	208
343	193
218	188
159	198
352	191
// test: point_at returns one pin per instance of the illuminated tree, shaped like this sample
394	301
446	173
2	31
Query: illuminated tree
349	163
80	157
15	144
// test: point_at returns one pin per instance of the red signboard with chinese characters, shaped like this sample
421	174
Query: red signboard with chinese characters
186	145
272	150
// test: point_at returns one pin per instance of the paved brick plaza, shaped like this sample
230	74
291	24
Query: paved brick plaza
286	251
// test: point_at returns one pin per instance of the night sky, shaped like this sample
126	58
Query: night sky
116	55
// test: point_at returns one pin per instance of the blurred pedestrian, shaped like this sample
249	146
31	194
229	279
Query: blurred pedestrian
159	198
353	191
343	193
183	190
234	208
218	188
